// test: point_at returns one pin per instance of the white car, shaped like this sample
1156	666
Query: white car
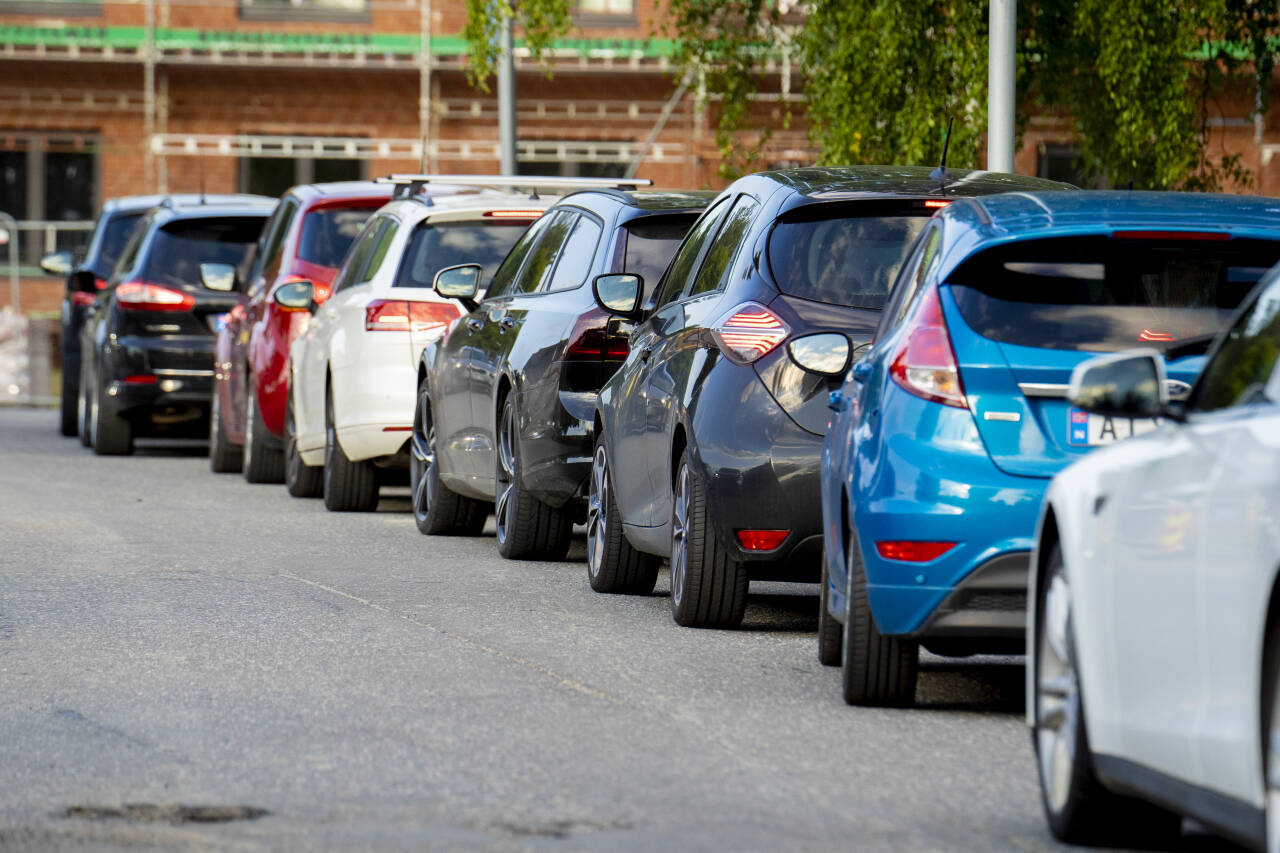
1153	676
353	373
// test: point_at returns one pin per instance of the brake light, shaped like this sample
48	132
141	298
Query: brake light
82	298
1148	335
935	204
749	332
925	364
513	214
913	552
100	283
1204	236
144	296
761	540
139	379
401	315
590	340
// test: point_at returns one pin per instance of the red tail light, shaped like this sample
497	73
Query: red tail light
749	332
1148	335
401	315
590	340
144	296
82	298
100	283
925	364
513	214
913	552
761	540
139	379
936	204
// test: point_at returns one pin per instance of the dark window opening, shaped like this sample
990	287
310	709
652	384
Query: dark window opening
179	248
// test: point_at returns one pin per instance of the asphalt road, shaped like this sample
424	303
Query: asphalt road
174	642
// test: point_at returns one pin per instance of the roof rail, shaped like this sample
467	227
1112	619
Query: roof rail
415	183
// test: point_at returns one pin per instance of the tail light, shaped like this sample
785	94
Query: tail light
83	299
925	364
100	283
590	340
749	332
761	540
908	551
401	315
144	296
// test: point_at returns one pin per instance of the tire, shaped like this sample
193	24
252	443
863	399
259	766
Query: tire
300	479
527	528
84	407
69	406
829	630
348	486
876	669
708	587
1077	807
262	463
437	509
224	457
1271	735
112	435
612	564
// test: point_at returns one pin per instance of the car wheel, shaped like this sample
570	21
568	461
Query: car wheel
112	434
348	486
83	407
829	630
69	405
300	479
1078	808
262	463
708	587
527	528
224	457
437	509
876	669
612	564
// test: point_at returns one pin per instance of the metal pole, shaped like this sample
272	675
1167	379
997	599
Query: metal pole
1000	132
507	101
149	95
15	284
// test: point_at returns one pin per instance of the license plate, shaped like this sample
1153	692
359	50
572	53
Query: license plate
1085	429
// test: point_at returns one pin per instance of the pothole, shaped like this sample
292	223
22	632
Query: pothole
166	813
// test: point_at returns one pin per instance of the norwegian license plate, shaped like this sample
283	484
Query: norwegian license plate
1085	429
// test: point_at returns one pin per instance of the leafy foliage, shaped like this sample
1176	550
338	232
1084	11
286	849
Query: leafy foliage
543	21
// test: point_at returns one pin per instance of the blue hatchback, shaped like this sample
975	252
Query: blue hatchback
946	433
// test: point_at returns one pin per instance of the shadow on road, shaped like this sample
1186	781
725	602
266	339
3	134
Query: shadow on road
972	684
169	448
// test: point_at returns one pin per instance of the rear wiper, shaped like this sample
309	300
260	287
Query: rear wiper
1196	345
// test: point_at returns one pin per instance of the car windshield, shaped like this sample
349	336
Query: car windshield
844	260
1099	294
179	248
435	246
328	233
651	244
115	236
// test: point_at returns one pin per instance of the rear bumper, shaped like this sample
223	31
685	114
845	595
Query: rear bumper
168	393
990	602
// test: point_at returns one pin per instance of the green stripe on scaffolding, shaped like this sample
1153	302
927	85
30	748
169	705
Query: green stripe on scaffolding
228	41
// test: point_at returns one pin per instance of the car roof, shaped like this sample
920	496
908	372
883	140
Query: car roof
143	203
216	205
416	208
833	183
650	200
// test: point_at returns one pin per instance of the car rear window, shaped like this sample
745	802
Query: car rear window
328	233
849	259
435	246
1099	294
651	244
115	236
180	247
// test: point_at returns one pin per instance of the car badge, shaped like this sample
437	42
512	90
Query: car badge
1178	390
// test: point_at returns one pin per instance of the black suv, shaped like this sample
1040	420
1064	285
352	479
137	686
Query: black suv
85	280
506	397
147	342
710	435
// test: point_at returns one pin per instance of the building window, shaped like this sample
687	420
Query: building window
604	13
44	7
271	176
1059	161
572	169
48	178
315	10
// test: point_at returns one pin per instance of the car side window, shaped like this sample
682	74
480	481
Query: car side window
542	261
358	257
715	269
379	251
575	257
129	256
1243	364
505	277
914	272
273	239
690	254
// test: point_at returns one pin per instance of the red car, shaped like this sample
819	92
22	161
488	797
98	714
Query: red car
305	239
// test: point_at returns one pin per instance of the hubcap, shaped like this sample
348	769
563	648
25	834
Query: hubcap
1057	694
597	511
506	471
679	535
422	451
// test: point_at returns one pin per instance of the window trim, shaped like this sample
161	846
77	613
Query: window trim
582	214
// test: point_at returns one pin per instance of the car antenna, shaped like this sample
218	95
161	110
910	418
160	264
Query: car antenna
940	174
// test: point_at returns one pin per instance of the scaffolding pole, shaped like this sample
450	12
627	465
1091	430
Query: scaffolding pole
424	84
149	94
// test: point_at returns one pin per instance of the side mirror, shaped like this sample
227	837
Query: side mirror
619	293
824	353
59	263
218	277
296	296
1130	384
460	282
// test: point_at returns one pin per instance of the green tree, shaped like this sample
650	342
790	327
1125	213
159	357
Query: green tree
542	21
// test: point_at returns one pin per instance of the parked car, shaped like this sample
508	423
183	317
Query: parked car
305	240
1154	639
709	435
354	371
506	398
86	278
147	343
954	422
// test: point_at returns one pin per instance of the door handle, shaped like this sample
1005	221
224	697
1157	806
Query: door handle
475	324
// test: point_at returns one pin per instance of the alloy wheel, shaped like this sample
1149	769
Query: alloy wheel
422	455
506	472
679	534
597	511
1057	694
